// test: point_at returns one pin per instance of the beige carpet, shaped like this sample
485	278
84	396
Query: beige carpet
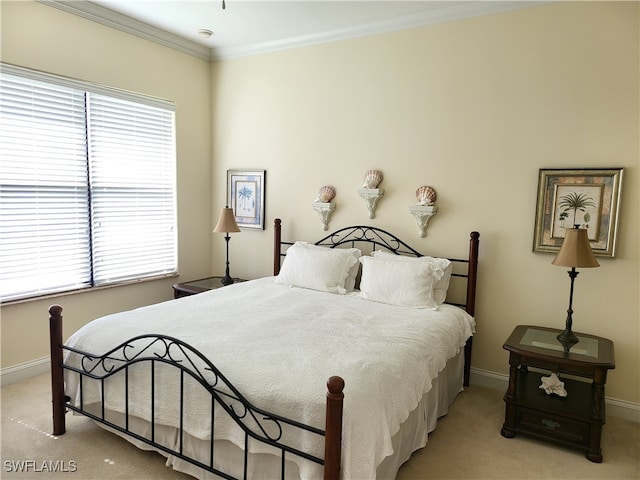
466	445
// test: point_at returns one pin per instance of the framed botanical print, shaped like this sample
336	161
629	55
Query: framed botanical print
588	198
245	195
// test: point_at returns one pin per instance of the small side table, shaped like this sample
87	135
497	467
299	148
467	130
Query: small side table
575	420
198	286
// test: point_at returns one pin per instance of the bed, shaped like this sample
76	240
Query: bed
232	383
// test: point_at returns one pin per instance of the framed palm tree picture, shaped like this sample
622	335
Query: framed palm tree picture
245	195
588	198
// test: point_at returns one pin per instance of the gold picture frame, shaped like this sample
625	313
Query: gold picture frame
588	197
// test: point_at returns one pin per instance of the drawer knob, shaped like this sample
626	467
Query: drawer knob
550	424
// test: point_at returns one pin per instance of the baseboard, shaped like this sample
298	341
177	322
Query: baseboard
22	371
496	381
623	409
487	379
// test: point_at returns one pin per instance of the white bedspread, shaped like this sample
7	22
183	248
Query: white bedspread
278	345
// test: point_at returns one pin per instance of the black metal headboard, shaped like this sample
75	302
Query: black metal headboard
374	236
378	238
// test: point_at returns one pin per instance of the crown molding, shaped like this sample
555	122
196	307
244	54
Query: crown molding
446	12
124	23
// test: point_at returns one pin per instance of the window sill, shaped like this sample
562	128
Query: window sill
87	290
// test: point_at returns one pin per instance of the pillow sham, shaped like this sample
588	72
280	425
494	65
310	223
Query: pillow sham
350	282
319	268
442	269
406	284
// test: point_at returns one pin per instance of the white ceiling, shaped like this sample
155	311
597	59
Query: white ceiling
247	27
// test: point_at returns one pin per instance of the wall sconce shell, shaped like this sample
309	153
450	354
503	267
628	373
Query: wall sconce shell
326	194
372	179
322	204
369	191
424	209
426	195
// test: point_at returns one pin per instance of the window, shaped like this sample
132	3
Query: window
87	185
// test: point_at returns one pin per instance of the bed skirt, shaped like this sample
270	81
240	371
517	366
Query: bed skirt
412	436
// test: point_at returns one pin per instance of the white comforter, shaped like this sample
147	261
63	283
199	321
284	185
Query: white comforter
280	344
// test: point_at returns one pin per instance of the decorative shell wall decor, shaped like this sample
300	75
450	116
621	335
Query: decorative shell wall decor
426	195
424	208
372	179
369	191
322	204
326	194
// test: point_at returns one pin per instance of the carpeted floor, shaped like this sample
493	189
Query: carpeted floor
466	445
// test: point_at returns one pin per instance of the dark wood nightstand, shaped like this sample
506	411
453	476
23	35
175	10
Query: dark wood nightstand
198	286
575	420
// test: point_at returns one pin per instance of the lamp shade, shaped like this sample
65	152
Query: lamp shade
226	222
575	250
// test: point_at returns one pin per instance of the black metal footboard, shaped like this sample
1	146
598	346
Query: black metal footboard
152	353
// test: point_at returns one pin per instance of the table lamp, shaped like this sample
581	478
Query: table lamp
575	252
226	224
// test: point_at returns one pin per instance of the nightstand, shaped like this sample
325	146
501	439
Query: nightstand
575	420
198	286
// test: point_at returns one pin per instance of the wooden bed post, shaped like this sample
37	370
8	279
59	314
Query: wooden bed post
277	239
57	375
473	272
333	430
471	299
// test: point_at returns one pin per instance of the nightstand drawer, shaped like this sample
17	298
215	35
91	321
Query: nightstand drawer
553	426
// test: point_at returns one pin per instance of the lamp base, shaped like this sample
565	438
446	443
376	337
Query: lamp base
226	280
567	339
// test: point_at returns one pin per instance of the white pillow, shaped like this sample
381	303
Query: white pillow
407	284
319	268
350	282
442	269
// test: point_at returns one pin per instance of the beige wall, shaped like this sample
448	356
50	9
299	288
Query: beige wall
473	108
45	38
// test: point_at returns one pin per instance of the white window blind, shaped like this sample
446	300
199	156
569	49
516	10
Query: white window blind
132	172
44	212
87	185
